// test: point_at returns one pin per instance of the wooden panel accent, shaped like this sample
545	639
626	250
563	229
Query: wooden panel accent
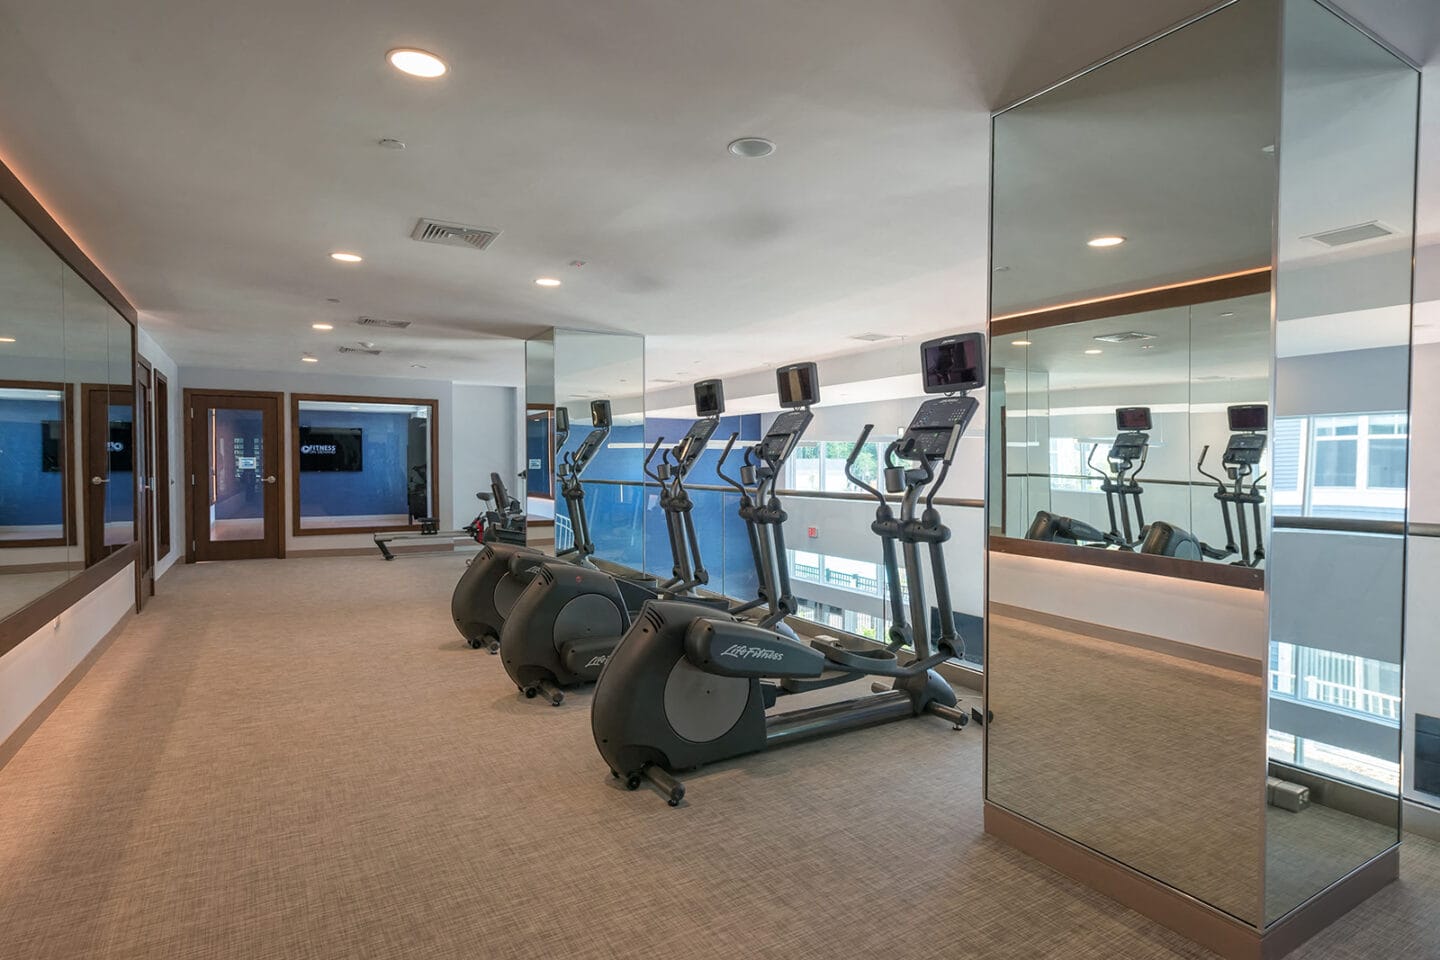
1243	284
22	623
1250	578
434	467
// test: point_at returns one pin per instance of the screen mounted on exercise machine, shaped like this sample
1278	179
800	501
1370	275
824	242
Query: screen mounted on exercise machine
953	364
798	385
1133	418
709	398
1249	416
600	414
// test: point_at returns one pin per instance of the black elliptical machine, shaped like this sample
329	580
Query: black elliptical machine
1243	453
1120	483
494	579
688	688
569	618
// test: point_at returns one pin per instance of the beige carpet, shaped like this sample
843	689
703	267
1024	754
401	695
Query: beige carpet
298	759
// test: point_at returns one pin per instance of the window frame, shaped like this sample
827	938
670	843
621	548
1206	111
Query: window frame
293	454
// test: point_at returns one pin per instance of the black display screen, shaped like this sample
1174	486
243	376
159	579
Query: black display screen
331	449
562	420
1132	418
953	364
798	385
1249	416
122	435
52	445
599	413
709	398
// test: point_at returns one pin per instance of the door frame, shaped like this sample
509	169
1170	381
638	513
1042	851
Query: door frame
143	461
92	499
190	395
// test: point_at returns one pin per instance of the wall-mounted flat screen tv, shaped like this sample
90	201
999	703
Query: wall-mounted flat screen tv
331	450
122	436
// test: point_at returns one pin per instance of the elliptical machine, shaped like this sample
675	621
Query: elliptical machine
567	621
688	688
494	579
1242	455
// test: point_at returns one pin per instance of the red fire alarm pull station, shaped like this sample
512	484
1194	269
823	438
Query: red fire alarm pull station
813	532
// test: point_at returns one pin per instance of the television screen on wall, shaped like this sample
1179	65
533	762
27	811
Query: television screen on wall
331	449
122	436
52	445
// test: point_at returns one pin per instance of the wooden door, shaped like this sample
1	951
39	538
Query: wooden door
144	483
233	468
107	433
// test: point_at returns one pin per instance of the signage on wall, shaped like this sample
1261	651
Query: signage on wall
331	449
247	463
535	464
812	532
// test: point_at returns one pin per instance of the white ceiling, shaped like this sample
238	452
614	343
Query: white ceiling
210	155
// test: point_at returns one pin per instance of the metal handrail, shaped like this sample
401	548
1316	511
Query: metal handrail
968	503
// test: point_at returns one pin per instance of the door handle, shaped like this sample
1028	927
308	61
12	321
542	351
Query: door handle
269	479
96	481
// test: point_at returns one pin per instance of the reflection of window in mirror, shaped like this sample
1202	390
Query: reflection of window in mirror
36	463
364	463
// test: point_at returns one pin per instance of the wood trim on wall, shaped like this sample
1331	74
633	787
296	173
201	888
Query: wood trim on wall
1249	578
434	468
1242	284
25	621
15	628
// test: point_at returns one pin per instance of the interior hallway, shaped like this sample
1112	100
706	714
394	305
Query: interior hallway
301	759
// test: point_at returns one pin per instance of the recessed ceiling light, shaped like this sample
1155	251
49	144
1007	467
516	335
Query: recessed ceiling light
751	148
1230	314
7	339
1019	343
308	359
418	366
322	326
332	299
1104	241
1093	351
546	282
417	63
390	143
346	257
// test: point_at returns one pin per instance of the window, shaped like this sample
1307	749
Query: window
820	466
362	464
1341	466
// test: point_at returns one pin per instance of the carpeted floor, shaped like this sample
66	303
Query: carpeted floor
299	759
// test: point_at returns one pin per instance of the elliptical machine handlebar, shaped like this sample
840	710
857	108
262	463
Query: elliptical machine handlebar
850	465
651	456
720	467
945	462
1200	468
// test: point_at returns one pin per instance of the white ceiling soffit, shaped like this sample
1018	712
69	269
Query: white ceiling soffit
210	155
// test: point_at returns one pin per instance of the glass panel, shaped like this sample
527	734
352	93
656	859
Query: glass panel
364	465
34	429
87	360
1167	152
539	432
123	444
237	487
602	459
1342	375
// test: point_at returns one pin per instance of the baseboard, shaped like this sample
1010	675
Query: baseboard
1171	648
1216	931
16	740
1219	932
1421	820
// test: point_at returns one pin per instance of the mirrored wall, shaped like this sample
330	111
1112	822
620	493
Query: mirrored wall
1199	446
67	434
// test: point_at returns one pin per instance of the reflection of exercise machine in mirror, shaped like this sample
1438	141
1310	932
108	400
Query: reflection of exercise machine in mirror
1243	452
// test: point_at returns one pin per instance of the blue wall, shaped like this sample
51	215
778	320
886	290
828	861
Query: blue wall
379	488
28	495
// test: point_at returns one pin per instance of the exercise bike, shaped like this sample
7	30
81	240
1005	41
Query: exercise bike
494	579
687	688
566	622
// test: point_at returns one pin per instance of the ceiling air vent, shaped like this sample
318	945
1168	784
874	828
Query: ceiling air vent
1370	230
1129	336
368	351
453	234
387	324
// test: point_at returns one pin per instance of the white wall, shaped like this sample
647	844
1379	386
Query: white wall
33	670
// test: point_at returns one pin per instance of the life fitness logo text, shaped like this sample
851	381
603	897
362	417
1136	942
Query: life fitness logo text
742	652
318	448
115	446
598	661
